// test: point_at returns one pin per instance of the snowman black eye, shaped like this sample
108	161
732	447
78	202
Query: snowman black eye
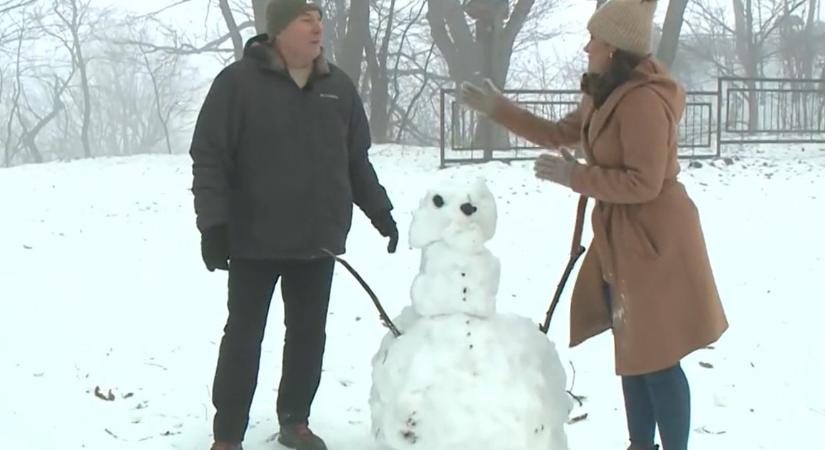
438	201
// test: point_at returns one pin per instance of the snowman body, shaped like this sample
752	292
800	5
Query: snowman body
462	376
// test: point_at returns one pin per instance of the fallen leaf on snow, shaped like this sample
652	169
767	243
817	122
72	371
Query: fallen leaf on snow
109	397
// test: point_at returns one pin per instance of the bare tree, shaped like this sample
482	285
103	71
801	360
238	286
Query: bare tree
236	19
752	40
710	41
140	113
15	103
802	40
410	110
802	47
28	137
379	76
45	103
180	44
751	37
73	15
463	50
353	31
487	52
385	49
162	118
22	78
671	30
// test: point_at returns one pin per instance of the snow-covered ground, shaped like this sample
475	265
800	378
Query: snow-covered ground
102	288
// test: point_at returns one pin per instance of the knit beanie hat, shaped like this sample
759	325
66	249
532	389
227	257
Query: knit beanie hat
279	13
625	24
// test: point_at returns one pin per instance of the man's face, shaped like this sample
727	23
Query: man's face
302	37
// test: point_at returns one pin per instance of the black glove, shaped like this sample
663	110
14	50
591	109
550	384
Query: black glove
384	223
215	247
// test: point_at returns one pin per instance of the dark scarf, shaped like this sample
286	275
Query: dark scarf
599	86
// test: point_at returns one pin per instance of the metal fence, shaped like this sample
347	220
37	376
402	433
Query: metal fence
770	111
745	110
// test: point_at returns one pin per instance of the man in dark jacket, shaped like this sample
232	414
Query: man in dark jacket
279	157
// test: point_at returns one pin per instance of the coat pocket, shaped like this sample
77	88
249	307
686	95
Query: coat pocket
646	245
635	236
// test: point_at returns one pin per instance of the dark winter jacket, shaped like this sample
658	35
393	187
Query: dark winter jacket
281	165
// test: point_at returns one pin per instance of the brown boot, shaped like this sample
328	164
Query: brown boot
223	445
298	436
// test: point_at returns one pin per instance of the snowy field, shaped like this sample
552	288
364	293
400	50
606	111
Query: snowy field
103	289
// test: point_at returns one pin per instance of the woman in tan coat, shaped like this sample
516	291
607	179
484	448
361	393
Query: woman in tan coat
646	275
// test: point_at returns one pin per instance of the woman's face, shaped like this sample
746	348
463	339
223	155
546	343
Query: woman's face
599	54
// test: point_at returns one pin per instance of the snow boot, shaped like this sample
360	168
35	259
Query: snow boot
632	447
223	445
298	436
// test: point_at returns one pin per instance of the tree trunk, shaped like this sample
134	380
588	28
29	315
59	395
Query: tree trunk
748	55
259	12
453	37
462	50
27	141
671	31
355	38
810	40
87	106
156	92
29	137
84	81
473	58
380	82
15	106
232	27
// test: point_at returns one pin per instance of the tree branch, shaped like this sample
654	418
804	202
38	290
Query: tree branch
212	46
405	119
10	6
516	22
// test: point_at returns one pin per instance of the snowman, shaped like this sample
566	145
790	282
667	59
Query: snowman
461	376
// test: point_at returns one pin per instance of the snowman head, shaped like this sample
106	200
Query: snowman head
461	214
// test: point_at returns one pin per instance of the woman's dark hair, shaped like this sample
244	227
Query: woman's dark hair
600	86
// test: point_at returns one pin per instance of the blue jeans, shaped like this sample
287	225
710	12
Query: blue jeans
660	398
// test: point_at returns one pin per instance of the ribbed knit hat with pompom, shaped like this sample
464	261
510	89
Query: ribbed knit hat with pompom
625	24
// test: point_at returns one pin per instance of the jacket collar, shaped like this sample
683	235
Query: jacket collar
259	49
648	72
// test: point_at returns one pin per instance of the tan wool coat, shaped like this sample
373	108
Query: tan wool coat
648	244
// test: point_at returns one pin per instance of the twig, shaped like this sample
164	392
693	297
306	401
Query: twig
156	365
19	5
382	313
577	398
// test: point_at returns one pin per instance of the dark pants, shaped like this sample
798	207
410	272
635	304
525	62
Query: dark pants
305	287
661	398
